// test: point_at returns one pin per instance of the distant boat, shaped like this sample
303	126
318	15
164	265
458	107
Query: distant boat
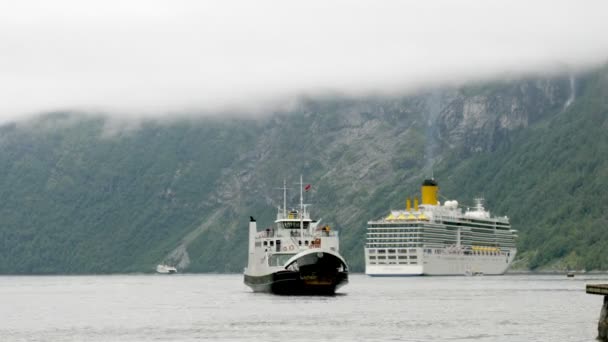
165	269
470	273
570	274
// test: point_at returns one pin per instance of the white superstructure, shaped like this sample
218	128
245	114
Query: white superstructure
439	239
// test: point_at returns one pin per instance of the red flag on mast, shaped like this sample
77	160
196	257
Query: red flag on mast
307	187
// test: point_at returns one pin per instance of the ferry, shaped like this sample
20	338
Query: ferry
296	255
436	238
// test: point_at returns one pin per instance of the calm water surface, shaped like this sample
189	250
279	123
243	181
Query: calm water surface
221	308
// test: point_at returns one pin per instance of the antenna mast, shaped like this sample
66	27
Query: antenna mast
284	199
301	212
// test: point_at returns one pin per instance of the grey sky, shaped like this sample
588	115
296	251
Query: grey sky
147	58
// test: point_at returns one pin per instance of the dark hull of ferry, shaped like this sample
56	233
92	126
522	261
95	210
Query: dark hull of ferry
313	275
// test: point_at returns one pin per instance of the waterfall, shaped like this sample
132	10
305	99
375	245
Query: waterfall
572	93
434	107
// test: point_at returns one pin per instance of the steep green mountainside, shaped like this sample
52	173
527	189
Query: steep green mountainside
76	201
78	196
552	180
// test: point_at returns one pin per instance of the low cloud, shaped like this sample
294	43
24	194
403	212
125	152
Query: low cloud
145	58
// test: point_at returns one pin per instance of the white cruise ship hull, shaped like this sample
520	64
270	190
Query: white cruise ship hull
442	264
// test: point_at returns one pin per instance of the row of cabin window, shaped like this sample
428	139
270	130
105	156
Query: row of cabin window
389	225
394	240
403	239
391	251
271	243
382	257
395	245
489	253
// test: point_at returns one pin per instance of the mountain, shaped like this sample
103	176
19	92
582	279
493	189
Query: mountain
87	194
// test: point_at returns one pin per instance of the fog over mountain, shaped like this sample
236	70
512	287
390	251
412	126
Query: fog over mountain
160	58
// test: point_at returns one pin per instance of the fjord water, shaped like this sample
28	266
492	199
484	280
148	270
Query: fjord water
221	308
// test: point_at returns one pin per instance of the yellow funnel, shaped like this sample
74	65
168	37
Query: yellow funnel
429	192
408	204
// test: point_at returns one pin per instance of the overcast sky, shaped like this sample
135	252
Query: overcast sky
148	58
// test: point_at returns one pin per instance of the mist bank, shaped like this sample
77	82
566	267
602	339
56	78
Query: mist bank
156	59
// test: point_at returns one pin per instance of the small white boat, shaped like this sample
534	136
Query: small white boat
165	269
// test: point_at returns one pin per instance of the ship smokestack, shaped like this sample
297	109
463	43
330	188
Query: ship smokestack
416	203
429	192
253	229
408	204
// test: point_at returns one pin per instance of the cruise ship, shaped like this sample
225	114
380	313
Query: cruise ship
436	238
297	255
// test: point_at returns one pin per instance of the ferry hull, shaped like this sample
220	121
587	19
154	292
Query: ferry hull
309	275
293	283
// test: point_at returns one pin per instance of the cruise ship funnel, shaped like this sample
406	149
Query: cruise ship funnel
429	192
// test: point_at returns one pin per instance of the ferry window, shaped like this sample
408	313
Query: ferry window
372	263
391	251
265	243
272	243
300	242
372	251
372	257
381	257
392	257
306	242
413	257
402	257
412	251
294	225
382	251
403	251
